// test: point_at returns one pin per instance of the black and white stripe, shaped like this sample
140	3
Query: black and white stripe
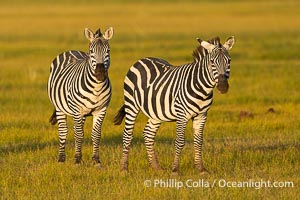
79	86
167	93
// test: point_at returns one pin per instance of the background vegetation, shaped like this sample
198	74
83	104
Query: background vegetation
255	144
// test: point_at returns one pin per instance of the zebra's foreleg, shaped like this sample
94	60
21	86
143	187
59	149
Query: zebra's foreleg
198	126
83	121
149	136
127	138
96	136
179	144
78	134
62	134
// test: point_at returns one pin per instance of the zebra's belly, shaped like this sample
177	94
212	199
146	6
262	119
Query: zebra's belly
88	104
173	110
163	112
59	99
78	104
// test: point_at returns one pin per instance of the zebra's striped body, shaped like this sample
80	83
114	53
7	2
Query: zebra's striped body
167	93
79	86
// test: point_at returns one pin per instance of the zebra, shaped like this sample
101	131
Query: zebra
79	86
166	93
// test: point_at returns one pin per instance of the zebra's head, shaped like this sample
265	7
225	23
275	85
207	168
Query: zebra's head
219	61
99	51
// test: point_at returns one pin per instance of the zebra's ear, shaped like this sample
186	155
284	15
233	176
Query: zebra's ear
206	45
108	33
229	43
199	40
89	34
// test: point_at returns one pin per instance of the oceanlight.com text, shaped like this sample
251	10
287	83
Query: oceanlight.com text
217	183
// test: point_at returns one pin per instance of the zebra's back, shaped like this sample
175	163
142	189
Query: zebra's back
64	59
159	89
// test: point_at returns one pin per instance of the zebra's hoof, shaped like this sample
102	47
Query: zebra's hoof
78	162
124	169
157	168
203	171
96	160
124	165
175	170
175	173
97	165
78	158
61	158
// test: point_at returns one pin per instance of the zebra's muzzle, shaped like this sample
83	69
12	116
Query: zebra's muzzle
101	72
222	84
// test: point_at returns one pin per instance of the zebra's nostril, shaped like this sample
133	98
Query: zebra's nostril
222	84
222	78
99	65
100	72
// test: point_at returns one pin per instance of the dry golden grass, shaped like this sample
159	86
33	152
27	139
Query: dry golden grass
264	74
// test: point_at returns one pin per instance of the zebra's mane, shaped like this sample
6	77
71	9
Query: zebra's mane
200	52
98	33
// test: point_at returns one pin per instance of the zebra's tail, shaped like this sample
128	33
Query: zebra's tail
53	119
120	116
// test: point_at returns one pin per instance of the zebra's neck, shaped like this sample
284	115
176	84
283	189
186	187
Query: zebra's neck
204	81
207	69
202	59
91	75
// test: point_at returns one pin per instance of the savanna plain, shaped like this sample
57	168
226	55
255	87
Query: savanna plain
252	133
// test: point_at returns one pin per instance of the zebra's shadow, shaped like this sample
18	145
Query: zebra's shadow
26	147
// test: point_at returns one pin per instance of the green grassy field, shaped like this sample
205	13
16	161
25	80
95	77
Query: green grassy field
264	74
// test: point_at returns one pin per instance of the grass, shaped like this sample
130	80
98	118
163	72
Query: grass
264	74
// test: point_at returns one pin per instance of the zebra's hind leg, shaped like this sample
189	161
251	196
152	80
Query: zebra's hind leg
127	137
149	133
96	135
62	134
179	144
78	134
